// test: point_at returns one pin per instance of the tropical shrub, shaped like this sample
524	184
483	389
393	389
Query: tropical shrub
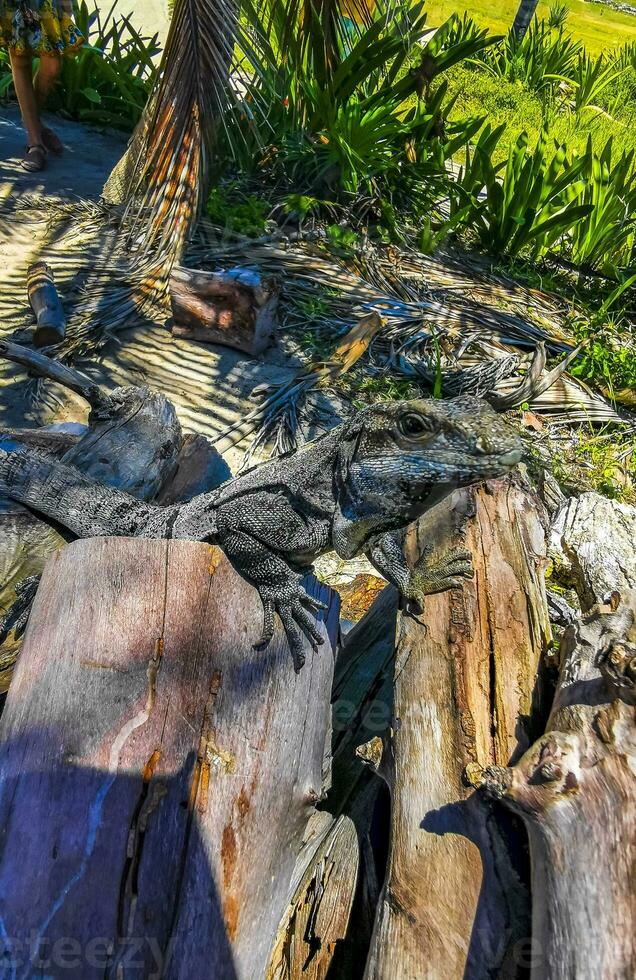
110	79
604	239
338	109
541	60
557	15
6	79
591	79
520	204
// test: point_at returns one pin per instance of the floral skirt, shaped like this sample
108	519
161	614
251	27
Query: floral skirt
39	27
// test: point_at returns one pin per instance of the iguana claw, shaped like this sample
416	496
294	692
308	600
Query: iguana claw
296	621
430	577
18	615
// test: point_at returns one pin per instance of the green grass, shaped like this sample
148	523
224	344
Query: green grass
512	104
598	26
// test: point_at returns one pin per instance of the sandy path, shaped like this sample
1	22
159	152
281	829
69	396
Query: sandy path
210	386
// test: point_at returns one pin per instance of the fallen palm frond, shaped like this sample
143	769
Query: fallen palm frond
277	417
446	325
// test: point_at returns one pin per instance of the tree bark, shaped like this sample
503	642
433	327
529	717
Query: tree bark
317	916
592	547
454	904
133	442
523	17
576	791
158	774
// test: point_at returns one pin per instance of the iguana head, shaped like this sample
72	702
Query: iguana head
398	459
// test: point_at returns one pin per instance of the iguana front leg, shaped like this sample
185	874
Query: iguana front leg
427	577
281	590
271	543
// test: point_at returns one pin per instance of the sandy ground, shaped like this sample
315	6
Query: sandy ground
210	386
148	16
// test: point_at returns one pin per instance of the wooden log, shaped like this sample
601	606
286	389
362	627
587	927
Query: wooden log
198	469
156	773
592	546
53	441
235	308
465	682
317	916
46	305
576	791
362	715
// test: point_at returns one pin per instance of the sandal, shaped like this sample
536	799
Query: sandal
52	141
34	159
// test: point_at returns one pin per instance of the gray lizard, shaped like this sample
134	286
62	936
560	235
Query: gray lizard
352	491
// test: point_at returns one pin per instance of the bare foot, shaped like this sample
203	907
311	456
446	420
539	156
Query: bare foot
34	159
52	141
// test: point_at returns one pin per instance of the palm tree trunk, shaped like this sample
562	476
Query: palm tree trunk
524	15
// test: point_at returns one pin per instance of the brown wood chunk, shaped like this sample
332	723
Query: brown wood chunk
46	305
235	308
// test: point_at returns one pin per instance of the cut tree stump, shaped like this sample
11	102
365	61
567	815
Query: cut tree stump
235	308
453	904
158	775
576	791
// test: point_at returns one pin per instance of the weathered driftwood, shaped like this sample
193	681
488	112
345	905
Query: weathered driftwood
453	902
45	367
362	714
158	774
317	916
199	468
592	546
576	791
236	308
46	305
133	441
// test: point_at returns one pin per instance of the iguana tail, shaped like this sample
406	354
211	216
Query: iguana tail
86	508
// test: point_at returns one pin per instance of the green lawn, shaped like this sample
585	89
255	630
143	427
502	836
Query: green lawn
598	26
507	102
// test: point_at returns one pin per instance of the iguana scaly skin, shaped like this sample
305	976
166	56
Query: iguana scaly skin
351	491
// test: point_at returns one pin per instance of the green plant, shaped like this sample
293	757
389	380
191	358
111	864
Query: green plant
590	79
352	117
6	78
604	239
608	361
109	80
520	204
557	15
540	61
246	215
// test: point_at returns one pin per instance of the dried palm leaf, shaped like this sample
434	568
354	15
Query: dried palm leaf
440	319
276	418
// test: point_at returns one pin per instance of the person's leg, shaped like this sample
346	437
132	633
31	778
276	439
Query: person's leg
21	66
47	75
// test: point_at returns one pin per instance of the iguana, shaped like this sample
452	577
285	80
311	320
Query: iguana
352	491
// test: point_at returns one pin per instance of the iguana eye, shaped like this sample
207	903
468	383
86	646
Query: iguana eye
415	426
